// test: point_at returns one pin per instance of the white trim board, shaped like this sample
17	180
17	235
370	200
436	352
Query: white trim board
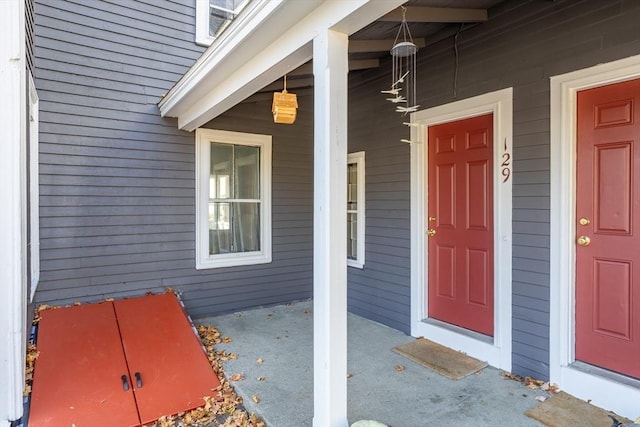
496	352
604	392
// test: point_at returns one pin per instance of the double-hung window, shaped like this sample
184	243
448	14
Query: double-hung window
355	209
233	198
213	16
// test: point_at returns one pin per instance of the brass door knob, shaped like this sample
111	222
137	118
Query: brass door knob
584	221
431	232
584	240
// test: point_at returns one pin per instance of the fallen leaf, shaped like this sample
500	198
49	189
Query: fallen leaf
260	378
349	375
260	360
533	384
255	398
237	377
541	398
399	368
306	311
226	340
510	376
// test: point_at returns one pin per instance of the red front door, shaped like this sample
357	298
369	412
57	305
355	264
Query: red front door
608	228
460	223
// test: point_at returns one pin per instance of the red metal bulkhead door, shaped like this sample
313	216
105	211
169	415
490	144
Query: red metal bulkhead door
460	223
608	227
161	346
78	373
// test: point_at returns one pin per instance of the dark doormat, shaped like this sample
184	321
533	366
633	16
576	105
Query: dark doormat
445	361
564	410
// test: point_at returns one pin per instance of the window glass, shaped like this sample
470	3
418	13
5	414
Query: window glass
214	16
234	198
233	205
355	210
352	211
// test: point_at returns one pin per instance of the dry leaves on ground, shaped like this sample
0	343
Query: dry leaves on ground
531	383
399	368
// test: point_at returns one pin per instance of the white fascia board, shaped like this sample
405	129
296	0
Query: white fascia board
273	39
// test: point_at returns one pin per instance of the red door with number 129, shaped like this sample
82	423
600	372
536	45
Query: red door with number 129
460	223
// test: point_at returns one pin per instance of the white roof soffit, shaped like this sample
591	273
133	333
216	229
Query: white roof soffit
269	39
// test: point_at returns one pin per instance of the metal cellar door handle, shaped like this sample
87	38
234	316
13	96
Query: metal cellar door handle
125	383
138	379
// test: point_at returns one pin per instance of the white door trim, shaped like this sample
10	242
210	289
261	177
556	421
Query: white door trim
602	391
496	352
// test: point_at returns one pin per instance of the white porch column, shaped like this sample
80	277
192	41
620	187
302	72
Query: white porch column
330	68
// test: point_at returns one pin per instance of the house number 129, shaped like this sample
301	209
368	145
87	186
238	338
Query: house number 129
506	163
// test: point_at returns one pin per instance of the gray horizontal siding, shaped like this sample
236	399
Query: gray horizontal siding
521	46
117	191
380	291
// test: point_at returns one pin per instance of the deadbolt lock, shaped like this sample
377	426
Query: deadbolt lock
432	218
431	232
584	221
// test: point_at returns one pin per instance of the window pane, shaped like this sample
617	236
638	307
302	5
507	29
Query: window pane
220	171
352	236
247	172
352	186
246	227
221	13
234	227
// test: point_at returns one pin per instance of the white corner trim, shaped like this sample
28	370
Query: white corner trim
498	352
13	193
603	392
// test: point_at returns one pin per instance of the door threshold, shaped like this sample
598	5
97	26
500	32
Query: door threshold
459	330
605	373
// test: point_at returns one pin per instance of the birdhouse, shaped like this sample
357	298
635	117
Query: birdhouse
284	108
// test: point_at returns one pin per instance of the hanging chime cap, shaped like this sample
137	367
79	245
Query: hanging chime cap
404	49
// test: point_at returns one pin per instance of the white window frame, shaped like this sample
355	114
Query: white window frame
358	159
203	37
34	188
203	139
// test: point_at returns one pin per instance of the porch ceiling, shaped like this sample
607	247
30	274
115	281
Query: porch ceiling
372	26
429	22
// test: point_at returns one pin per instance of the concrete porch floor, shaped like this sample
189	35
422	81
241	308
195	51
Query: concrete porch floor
415	397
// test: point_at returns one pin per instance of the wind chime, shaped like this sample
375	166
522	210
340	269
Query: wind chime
403	71
285	106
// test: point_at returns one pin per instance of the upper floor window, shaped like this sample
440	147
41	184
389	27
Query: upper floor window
233	198
355	209
213	16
